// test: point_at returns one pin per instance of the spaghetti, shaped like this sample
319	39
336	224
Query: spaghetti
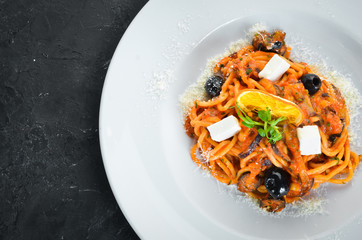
245	158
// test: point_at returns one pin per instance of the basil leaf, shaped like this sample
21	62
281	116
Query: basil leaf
276	136
261	132
268	114
248	125
275	122
263	115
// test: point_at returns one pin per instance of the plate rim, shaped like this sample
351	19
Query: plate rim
101	120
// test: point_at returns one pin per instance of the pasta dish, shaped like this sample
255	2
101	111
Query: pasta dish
271	126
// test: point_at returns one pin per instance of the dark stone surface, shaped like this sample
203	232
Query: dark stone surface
54	55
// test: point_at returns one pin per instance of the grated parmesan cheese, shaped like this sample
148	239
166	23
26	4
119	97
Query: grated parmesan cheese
159	83
196	91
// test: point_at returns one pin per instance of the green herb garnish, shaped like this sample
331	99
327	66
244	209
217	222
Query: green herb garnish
248	71
268	128
336	158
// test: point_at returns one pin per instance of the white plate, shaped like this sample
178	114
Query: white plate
144	147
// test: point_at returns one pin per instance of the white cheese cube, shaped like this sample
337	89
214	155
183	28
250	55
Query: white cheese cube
309	140
274	69
224	129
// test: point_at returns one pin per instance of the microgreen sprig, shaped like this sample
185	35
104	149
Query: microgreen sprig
268	128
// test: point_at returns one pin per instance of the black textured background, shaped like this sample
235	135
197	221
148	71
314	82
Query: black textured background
54	56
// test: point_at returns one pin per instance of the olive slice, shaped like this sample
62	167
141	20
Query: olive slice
312	83
213	85
277	182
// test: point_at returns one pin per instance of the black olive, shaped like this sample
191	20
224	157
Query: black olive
312	83
276	45
277	182
213	85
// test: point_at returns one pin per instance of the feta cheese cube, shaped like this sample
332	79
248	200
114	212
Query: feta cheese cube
309	140
224	129
274	69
